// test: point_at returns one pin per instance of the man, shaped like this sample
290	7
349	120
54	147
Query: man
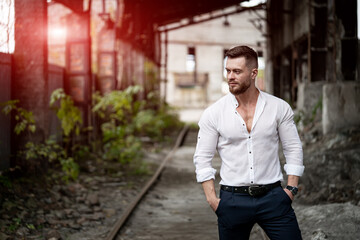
245	127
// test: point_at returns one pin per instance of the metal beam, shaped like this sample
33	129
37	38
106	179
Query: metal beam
211	16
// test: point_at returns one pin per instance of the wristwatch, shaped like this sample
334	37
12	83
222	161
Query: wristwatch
292	189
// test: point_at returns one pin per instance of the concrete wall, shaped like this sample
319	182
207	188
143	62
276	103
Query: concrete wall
309	94
341	106
209	39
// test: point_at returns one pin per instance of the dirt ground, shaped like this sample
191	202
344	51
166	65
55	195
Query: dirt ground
176	209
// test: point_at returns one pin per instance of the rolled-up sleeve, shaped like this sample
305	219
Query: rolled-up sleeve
205	148
292	146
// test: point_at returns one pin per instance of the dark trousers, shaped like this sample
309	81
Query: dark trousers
237	213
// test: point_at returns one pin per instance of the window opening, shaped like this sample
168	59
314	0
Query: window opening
191	60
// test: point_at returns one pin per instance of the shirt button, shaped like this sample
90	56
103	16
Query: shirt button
252	182
251	168
250	152
249	137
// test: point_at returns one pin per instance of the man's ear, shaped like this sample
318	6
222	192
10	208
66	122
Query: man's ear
254	73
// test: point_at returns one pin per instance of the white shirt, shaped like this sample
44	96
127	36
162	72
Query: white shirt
248	158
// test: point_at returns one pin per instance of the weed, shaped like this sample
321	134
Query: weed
24	119
5	181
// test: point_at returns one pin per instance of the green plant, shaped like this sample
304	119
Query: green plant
117	110
50	151
140	168
317	106
24	119
301	118
125	120
5	181
123	150
15	224
30	226
118	105
81	152
67	112
70	168
155	123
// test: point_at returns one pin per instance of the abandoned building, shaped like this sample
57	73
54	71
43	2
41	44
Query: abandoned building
313	58
195	62
310	50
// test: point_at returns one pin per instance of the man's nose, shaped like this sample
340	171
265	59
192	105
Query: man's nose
231	75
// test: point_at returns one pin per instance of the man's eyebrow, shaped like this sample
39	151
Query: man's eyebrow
232	69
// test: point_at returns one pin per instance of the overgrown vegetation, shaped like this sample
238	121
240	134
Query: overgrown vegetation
68	114
24	120
125	120
124	123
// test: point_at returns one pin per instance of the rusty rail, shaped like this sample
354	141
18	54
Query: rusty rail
118	225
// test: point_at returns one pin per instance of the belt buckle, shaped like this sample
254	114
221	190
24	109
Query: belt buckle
251	189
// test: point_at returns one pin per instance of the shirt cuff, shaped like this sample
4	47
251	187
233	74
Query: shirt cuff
292	169
205	174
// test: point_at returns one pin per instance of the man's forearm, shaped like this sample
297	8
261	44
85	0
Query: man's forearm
210	193
293	180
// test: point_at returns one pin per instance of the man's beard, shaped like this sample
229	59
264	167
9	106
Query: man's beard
239	89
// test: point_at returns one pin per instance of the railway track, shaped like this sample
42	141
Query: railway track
175	208
119	223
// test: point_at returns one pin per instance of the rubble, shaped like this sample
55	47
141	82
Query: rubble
332	169
331	221
59	211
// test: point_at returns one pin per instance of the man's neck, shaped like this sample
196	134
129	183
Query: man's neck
248	98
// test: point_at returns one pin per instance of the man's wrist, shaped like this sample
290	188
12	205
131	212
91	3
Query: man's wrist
293	189
211	200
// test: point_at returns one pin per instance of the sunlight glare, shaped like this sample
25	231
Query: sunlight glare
252	3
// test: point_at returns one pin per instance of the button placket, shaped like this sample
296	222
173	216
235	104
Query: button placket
242	122
250	158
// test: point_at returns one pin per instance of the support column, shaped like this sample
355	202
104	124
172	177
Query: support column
30	64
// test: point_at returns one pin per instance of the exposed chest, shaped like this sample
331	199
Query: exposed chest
247	115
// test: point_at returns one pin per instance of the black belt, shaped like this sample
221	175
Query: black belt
254	191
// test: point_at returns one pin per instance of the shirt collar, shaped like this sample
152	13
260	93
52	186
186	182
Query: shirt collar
261	99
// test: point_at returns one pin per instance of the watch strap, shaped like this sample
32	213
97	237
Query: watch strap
292	189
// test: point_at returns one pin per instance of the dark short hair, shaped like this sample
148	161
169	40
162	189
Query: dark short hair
244	51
